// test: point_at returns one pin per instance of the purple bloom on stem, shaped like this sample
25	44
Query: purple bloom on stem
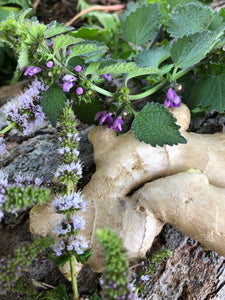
49	43
79	90
69	78
68	85
77	243
78	223
117	124
103	116
58	247
144	82
31	71
172	99
78	68
68	52
49	64
107	77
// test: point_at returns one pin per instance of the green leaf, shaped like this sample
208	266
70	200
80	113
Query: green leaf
53	102
86	111
153	57
60	260
16	76
55	28
63	41
93	67
6	10
142	25
21	3
155	125
217	21
83	258
174	3
58	293
86	33
189	50
23	60
85	49
209	93
190	18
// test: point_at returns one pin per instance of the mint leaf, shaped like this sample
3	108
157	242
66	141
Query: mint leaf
53	102
190	18
189	50
209	93
58	293
63	41
155	125
153	57
84	257
60	260
142	25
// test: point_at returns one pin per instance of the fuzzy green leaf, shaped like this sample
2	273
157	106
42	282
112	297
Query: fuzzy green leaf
155	125
86	33
209	93
60	260
53	102
84	257
55	28
142	25
153	57
58	293
190	18
63	41
93	67
189	50
85	48
23	60
174	3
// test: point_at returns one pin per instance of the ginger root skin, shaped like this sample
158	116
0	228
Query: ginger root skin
124	165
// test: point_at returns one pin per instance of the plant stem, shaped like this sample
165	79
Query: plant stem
68	187
149	92
73	277
10	126
101	91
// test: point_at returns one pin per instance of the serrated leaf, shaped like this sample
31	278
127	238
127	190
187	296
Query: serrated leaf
86	33
142	25
155	125
24	14
142	71
53	102
84	257
63	41
174	3
216	22
131	7
60	260
209	93
84	49
16	76
55	28
23	60
93	67
153	57
6	10
189	50
188	19
86	111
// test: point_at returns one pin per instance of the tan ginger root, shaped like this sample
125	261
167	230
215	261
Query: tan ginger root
123	165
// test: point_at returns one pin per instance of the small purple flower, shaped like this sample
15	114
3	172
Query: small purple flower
78	68
49	64
117	124
103	116
58	247
79	90
145	278
69	78
144	82
77	243
78	222
107	77
37	181
49	43
68	85
31	71
68	52
172	99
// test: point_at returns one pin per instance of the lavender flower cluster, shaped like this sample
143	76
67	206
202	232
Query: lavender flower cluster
25	110
69	227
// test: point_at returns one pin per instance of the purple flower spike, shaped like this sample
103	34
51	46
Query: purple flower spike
68	85
78	68
107	77
31	71
117	124
172	99
79	90
49	64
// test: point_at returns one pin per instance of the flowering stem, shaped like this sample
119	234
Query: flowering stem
10	126
73	277
101	91
149	92
68	187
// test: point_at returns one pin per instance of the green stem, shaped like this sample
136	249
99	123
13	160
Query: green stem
149	92
182	73
68	187
73	277
174	73
10	126
101	91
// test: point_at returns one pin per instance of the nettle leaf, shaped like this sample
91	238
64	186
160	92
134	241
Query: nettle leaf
189	50
53	102
155	125
63	41
86	33
209	93
85	49
189	18
141	26
217	21
92	68
174	3
55	28
131	7
153	57
23	60
86	111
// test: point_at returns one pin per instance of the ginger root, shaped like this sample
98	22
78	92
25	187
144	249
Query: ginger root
133	192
